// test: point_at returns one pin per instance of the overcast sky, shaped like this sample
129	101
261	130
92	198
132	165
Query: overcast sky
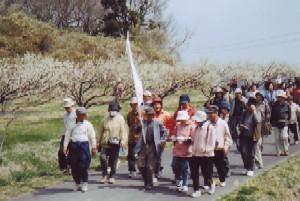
238	30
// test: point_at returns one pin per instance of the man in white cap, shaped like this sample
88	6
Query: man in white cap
280	116
77	147
69	122
135	129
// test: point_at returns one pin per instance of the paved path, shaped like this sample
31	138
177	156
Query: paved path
127	189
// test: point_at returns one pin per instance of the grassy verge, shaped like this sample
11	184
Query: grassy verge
281	183
29	160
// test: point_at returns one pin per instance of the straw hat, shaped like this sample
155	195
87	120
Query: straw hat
68	102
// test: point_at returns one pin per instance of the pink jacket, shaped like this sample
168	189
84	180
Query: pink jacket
204	140
181	147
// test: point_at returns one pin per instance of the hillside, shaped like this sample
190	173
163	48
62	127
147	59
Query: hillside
20	34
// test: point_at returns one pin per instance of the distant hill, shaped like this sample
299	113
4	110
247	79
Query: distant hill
20	34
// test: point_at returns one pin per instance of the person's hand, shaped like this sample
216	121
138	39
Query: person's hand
94	151
66	151
226	151
253	108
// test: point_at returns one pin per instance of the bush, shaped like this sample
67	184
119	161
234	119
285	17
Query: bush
20	34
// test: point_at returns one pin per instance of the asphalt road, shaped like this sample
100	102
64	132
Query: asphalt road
126	189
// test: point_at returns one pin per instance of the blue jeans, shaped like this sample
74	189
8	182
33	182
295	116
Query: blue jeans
180	166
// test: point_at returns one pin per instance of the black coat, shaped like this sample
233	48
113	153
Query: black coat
280	115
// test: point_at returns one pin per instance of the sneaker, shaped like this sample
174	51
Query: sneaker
133	174
250	173
260	167
212	189
183	189
296	142
222	184
206	188
103	180
179	183
84	187
65	172
155	180
111	180
245	172
77	187
148	188
196	194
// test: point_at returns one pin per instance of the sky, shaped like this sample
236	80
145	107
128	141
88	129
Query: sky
224	31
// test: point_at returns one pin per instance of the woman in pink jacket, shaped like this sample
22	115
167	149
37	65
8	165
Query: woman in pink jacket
204	142
182	150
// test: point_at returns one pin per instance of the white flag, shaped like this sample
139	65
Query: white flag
136	79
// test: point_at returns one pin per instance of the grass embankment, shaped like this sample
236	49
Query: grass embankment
20	34
281	183
30	153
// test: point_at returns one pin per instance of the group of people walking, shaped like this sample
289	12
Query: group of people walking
201	140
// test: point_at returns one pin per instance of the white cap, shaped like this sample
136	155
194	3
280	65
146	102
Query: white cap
134	100
281	93
182	115
200	116
147	93
238	91
68	102
219	90
252	94
81	110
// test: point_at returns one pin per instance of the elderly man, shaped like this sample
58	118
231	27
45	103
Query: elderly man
113	134
77	146
249	136
135	129
149	146
69	122
224	141
238	107
280	116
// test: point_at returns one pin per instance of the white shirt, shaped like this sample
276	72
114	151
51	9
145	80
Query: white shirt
223	136
69	121
81	132
294	110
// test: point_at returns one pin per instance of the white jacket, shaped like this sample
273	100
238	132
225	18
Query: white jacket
294	110
81	132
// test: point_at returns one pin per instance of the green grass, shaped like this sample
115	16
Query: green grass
277	184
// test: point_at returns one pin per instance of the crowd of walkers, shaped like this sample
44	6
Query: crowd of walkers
201	140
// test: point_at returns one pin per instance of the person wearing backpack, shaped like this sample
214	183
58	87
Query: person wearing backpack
280	115
248	139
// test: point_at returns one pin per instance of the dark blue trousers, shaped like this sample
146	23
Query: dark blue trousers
80	159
